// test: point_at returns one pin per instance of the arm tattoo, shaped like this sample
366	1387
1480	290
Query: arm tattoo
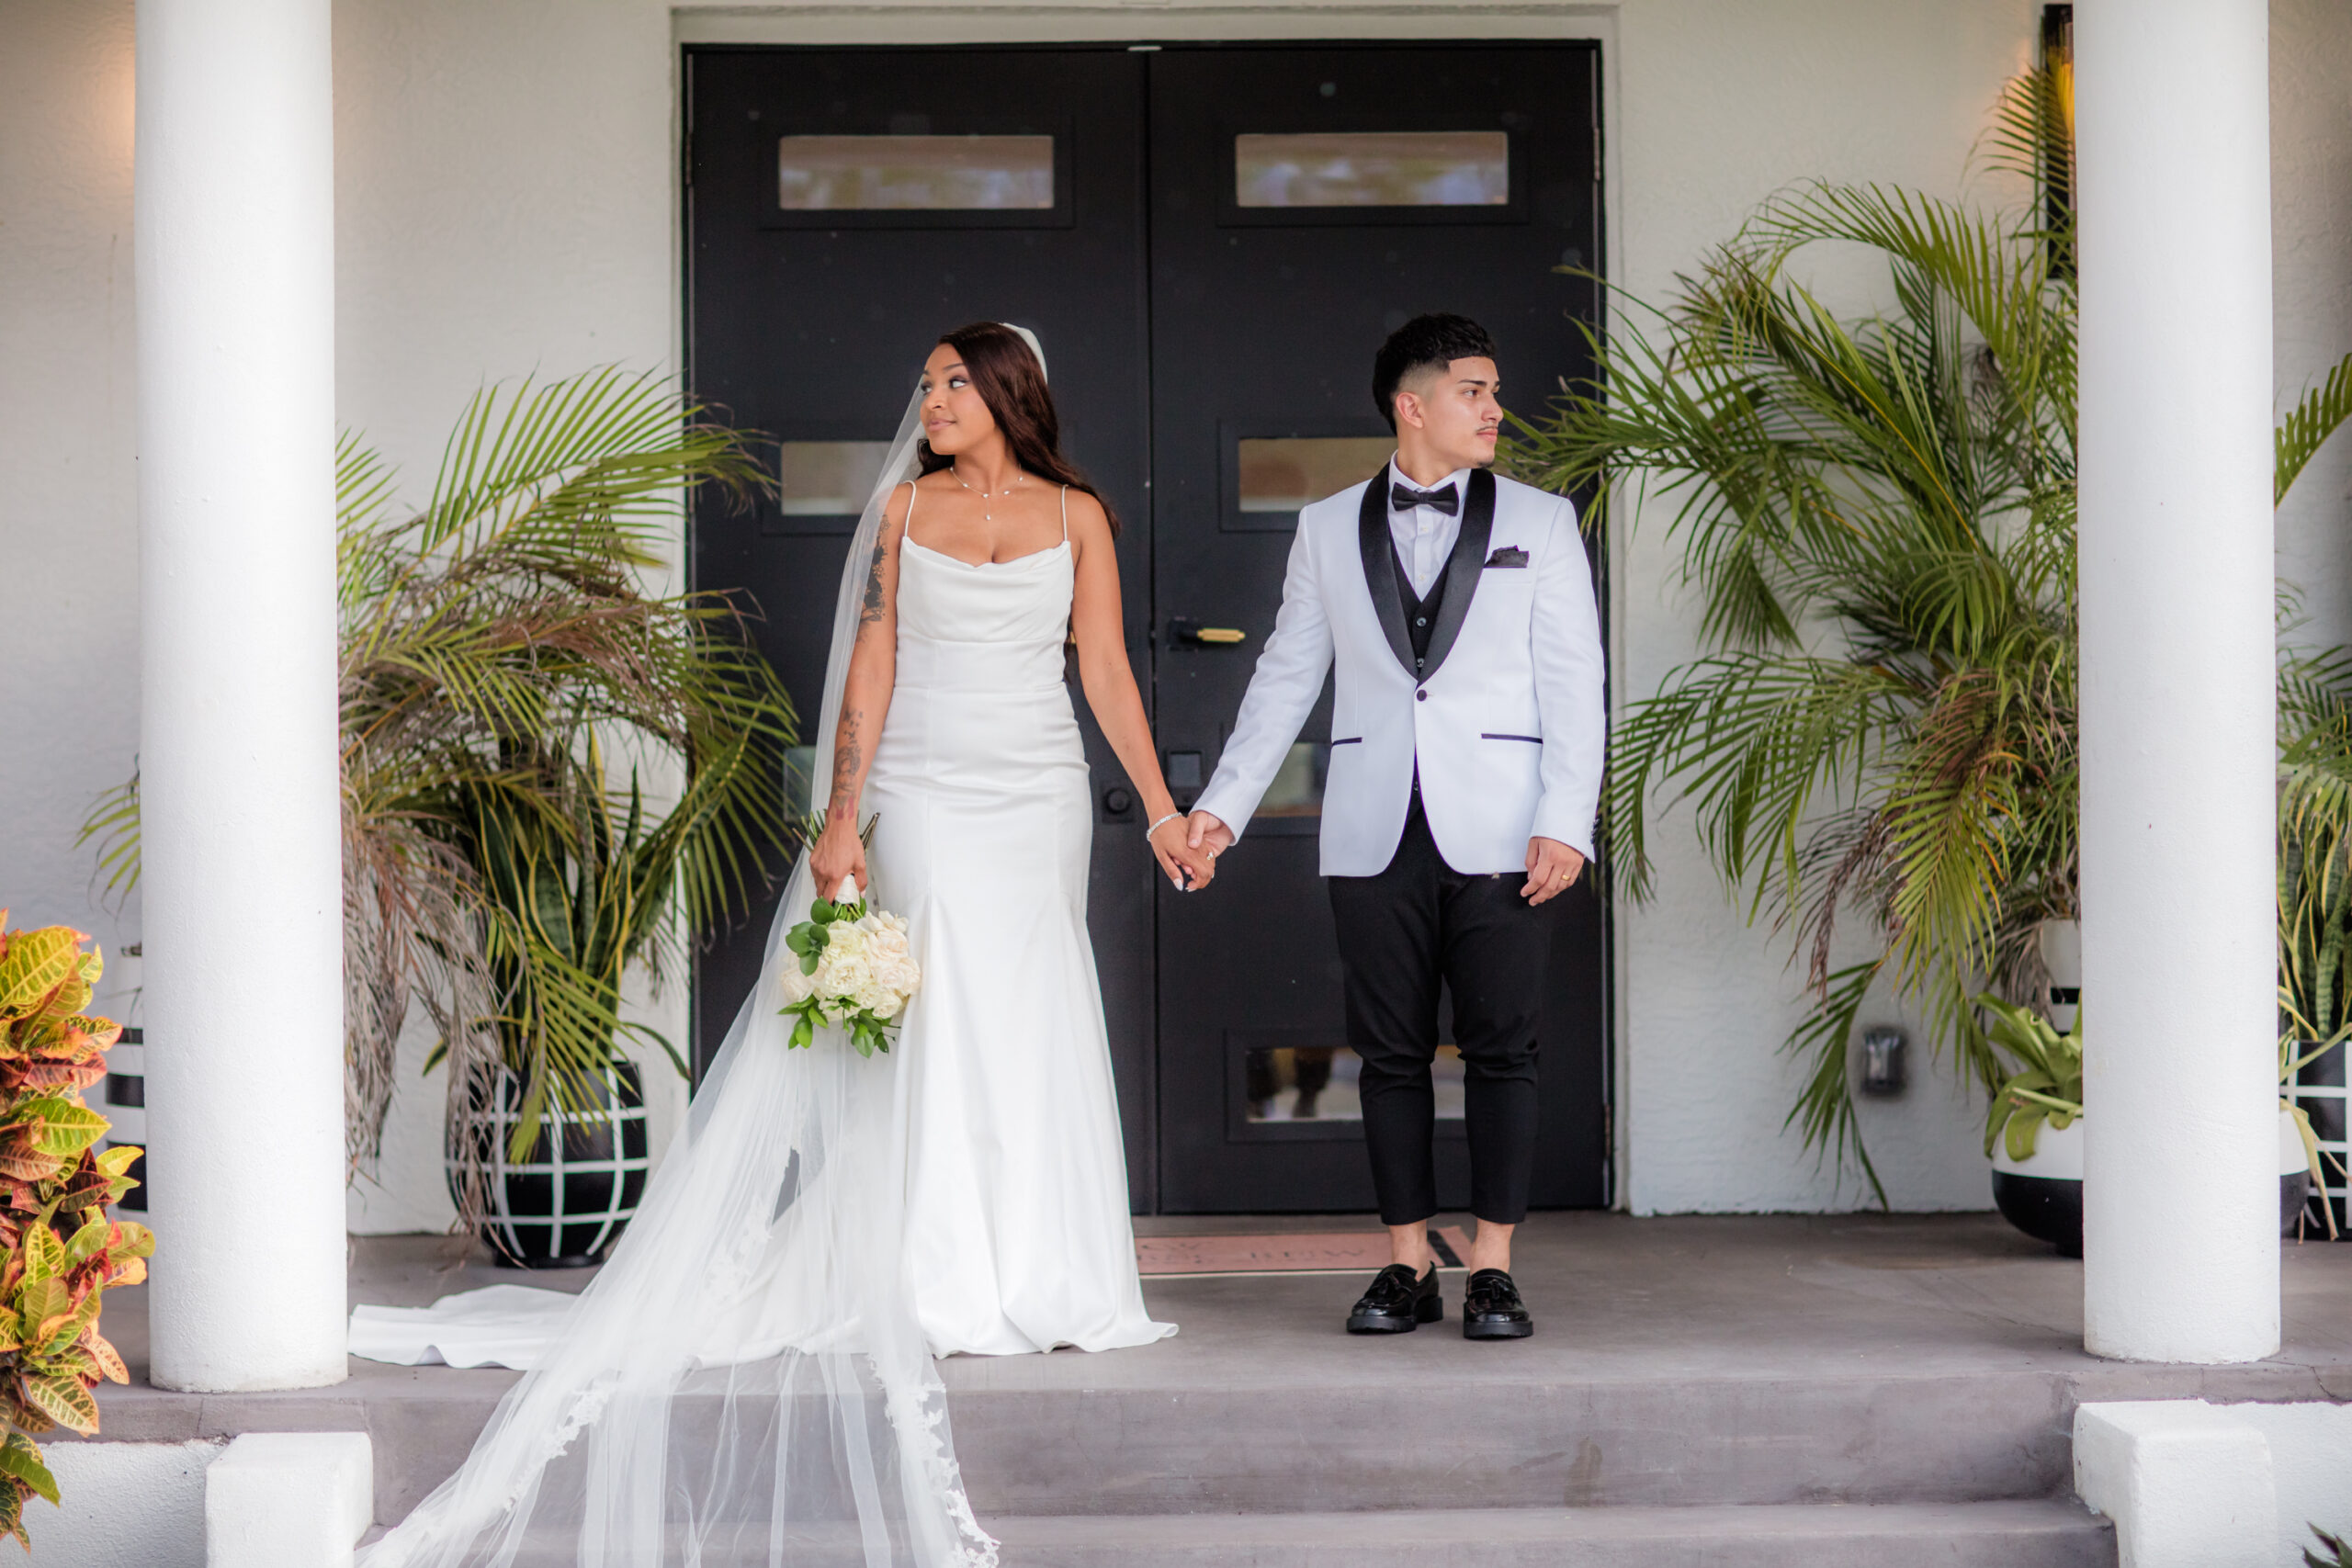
873	609
848	757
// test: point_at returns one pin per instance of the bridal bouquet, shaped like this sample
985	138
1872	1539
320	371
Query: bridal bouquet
855	971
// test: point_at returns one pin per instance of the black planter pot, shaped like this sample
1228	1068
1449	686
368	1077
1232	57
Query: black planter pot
567	1201
2047	1208
2050	1207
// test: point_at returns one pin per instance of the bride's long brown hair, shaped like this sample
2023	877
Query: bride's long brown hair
1006	374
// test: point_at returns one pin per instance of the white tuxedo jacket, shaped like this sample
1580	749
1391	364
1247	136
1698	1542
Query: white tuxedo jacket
1506	718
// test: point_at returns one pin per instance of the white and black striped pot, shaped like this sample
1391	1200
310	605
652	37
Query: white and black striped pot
566	1202
2319	1091
123	1102
2042	1195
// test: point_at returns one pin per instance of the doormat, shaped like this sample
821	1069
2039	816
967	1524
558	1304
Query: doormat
1332	1252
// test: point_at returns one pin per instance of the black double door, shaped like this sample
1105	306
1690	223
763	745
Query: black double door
1211	243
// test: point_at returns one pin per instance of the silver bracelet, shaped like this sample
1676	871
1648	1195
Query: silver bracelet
1171	817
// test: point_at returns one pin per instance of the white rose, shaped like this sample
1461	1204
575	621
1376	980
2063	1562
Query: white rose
842	970
877	998
797	988
885	944
901	975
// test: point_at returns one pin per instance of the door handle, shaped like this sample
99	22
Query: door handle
1191	634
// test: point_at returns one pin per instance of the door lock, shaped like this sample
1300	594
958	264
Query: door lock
1191	634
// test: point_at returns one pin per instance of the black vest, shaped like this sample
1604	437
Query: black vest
1421	615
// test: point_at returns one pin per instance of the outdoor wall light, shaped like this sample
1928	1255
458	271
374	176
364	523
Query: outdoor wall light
1882	1061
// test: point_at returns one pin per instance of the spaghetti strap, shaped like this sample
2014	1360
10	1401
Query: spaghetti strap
907	528
1065	515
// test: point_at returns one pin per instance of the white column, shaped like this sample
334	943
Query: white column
237	742
2180	1221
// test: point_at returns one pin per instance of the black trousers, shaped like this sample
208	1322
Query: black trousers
1401	933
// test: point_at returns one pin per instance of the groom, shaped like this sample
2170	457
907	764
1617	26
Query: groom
1466	740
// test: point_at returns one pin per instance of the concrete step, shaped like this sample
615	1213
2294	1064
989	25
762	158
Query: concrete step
1540	1443
1320	1446
2050	1534
1965	1535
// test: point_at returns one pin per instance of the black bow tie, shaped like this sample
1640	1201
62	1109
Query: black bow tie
1445	498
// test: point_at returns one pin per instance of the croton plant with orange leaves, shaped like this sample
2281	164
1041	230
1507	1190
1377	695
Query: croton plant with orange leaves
62	1249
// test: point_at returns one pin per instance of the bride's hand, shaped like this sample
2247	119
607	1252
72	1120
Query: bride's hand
838	852
1179	859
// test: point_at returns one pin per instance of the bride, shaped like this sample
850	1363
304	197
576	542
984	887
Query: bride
749	1379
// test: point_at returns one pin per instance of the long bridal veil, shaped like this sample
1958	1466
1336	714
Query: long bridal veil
745	1382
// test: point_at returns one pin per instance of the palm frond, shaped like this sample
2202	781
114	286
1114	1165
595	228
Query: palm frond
2305	430
1875	517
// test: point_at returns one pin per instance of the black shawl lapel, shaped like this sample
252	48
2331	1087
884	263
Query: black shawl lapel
1464	568
1380	566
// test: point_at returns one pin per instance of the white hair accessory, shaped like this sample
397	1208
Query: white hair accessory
1034	346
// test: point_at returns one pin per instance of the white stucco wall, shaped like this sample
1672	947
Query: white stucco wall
506	204
69	567
123	1503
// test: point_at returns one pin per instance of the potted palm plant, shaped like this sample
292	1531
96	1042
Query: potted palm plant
1877	516
499	645
2315	914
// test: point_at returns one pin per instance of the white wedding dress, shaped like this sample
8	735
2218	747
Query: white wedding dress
1017	1231
749	1378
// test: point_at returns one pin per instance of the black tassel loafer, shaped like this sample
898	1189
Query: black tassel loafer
1397	1302
1491	1308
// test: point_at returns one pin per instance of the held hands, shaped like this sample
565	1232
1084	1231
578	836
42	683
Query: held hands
1552	869
1181	857
1206	838
838	852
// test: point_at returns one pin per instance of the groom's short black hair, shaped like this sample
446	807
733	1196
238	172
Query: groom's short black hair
1424	342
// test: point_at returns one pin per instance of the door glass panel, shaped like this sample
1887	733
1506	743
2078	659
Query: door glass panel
869	174
1297	789
1284	473
828	479
1317	1083
1373	168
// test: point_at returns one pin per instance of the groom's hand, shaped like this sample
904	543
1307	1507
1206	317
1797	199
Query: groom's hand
1552	869
1208	837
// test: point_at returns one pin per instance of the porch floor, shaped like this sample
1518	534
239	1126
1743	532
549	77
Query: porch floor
1911	1361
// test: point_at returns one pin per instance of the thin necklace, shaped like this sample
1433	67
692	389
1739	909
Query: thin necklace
957	475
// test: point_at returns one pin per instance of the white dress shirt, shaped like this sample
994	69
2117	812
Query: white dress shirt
1425	535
